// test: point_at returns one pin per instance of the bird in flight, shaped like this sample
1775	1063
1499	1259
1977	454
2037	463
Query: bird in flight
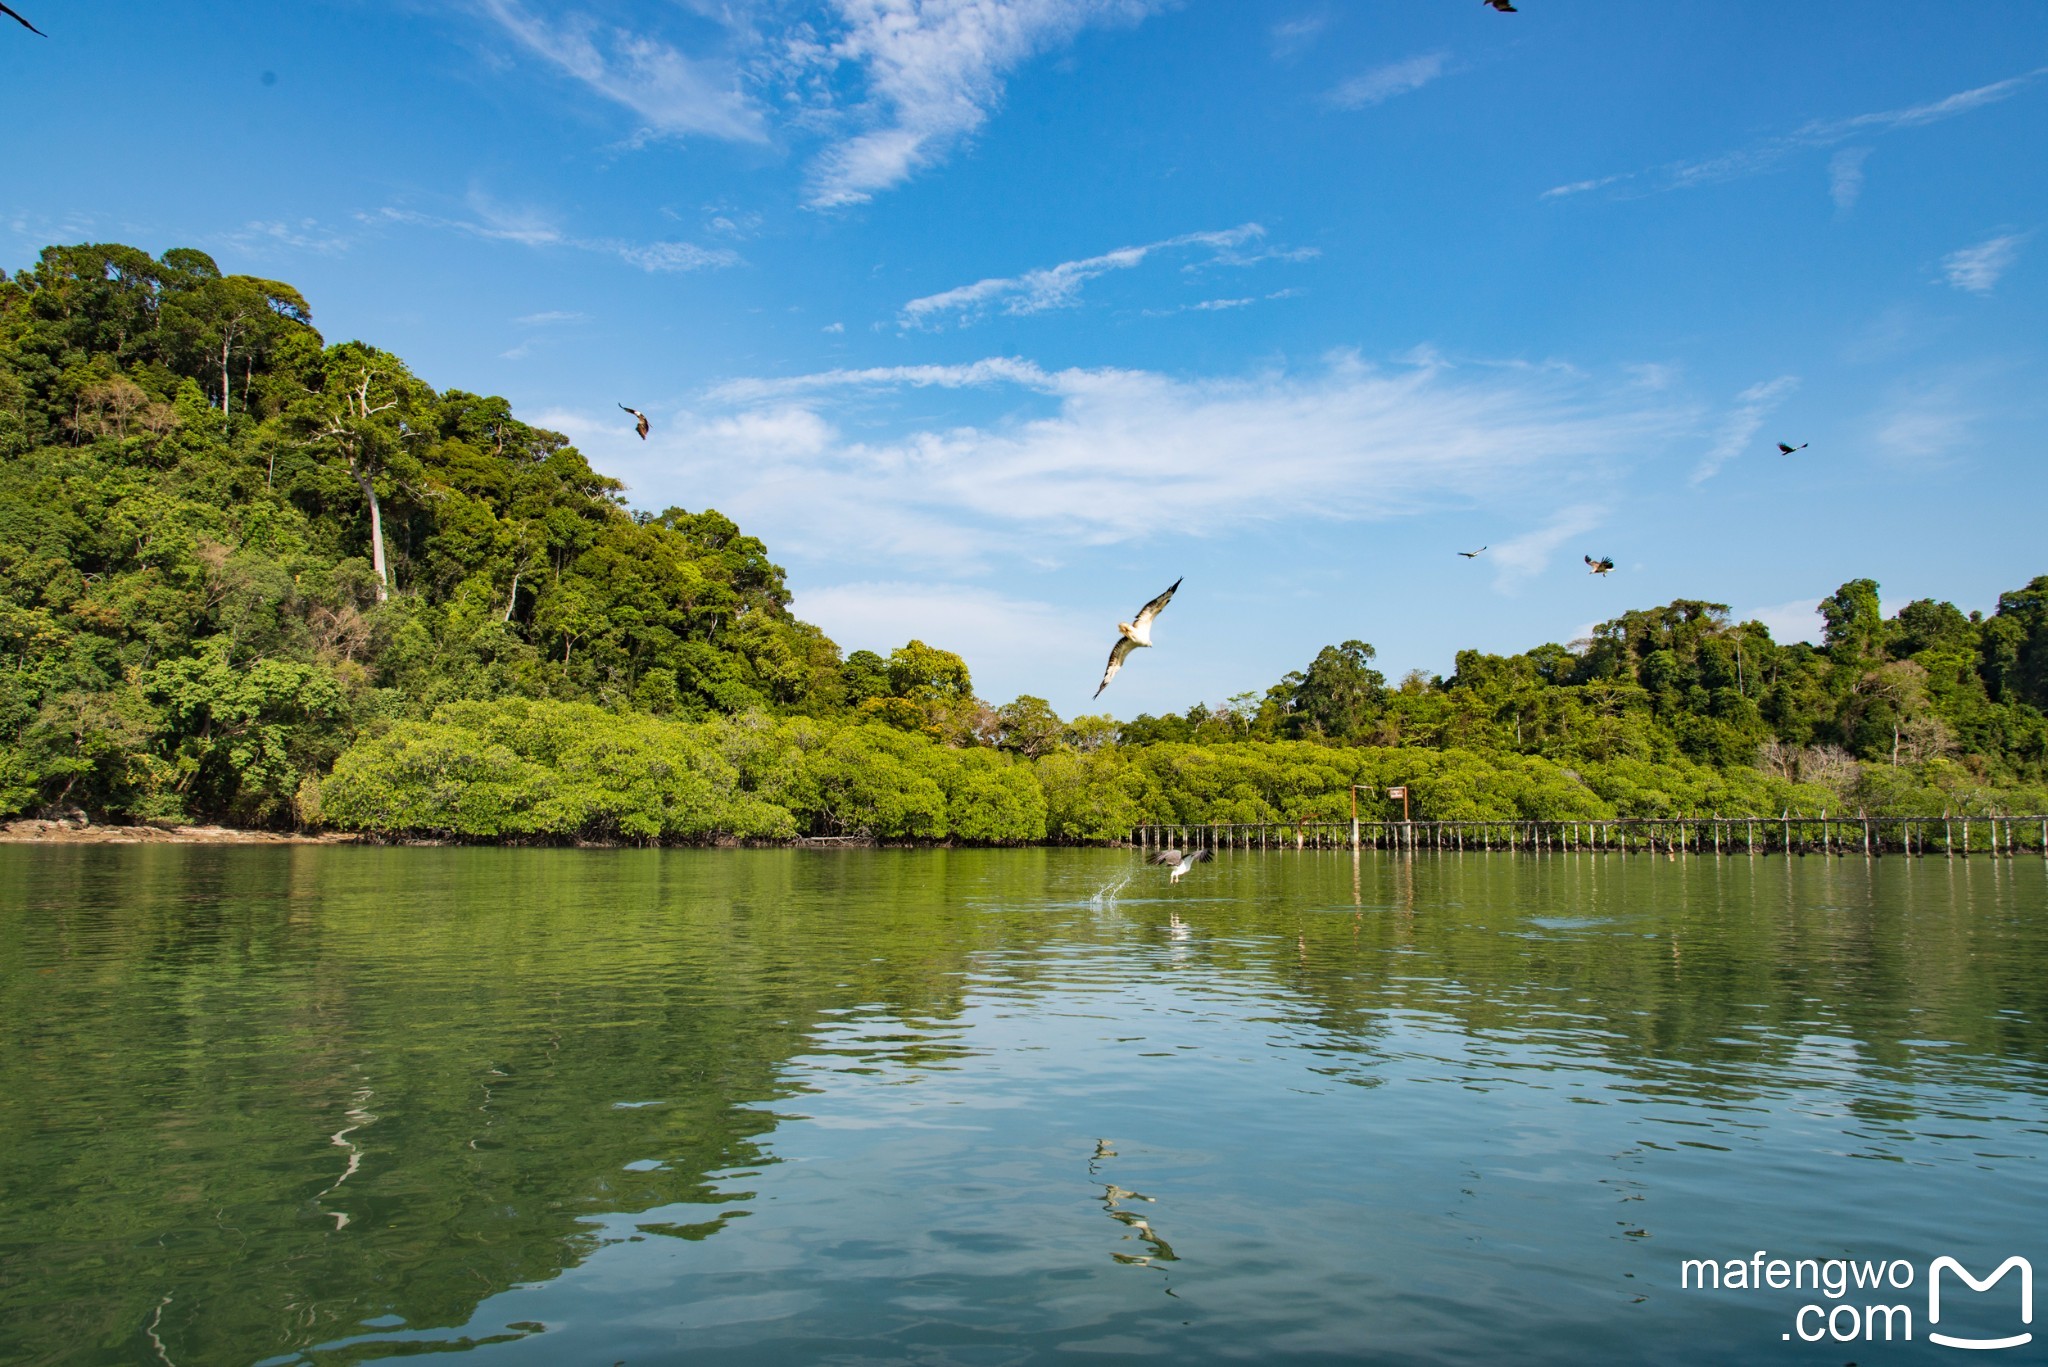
1604	565
1785	450
1134	633
1179	863
1502	5
23	22
641	425
1471	554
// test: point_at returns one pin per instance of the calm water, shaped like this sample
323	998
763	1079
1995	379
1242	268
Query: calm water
326	1105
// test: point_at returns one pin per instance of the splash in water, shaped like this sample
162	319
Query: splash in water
1105	896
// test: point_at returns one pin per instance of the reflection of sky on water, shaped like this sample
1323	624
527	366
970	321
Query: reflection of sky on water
951	1108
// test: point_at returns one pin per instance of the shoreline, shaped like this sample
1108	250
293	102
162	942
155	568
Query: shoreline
36	831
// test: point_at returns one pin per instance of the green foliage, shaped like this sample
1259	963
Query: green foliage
249	576
534	769
228	549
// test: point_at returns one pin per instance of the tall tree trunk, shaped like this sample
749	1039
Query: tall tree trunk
376	539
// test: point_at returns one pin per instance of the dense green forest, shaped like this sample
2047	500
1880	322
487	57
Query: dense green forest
256	578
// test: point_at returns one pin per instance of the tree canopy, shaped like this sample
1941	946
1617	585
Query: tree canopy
251	576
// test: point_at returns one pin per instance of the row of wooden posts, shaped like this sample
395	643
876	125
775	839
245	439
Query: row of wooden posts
1786	834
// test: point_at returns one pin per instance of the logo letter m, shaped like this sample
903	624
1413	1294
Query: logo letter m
2026	1300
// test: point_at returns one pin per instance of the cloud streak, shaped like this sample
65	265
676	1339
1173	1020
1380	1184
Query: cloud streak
1753	405
933	72
494	222
891	87
1977	268
671	92
1771	153
1106	456
1845	177
1384	83
1056	287
1529	554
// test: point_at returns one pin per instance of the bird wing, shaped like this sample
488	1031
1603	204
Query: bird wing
23	22
1784	448
1165	857
1118	653
1199	855
1588	559
1153	608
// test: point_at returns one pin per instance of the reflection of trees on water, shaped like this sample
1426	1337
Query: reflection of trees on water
1706	979
259	1098
299	1090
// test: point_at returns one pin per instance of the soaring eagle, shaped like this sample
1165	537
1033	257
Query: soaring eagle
1785	450
1604	565
639	426
1132	634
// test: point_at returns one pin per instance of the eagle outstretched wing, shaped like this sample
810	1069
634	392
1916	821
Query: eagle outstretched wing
1153	608
1118	653
23	22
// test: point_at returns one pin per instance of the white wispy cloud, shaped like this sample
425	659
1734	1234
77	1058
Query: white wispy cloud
1845	177
1383	83
1773	152
496	222
1109	455
1797	620
1925	426
890	87
1525	556
1913	116
260	237
1000	634
1221	305
1053	287
1580	187
1292	37
933	69
994	370
1977	268
1738	433
671	92
548	317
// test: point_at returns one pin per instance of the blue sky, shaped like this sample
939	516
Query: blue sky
993	317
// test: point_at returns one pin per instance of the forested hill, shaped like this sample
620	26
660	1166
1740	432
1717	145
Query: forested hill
248	576
196	614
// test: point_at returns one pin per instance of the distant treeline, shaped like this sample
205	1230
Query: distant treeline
251	577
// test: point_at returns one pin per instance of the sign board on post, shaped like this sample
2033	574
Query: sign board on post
1397	792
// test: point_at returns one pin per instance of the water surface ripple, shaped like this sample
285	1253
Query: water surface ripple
330	1105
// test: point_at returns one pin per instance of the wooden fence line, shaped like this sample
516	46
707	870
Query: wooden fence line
1945	836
